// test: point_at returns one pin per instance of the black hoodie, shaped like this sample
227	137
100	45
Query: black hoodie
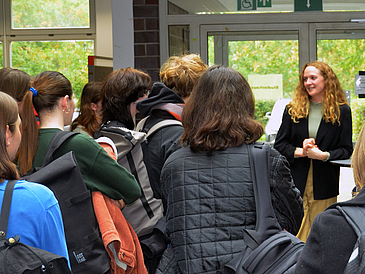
160	94
162	103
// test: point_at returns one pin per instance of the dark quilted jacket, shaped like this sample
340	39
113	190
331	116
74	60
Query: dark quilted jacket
210	200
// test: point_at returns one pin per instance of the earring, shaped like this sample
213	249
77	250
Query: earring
67	112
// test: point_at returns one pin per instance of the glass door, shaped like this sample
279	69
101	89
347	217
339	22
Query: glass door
266	54
342	46
274	54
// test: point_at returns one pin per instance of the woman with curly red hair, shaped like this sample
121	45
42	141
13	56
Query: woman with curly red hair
316	128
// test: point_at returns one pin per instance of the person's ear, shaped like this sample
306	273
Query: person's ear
65	102
9	135
93	106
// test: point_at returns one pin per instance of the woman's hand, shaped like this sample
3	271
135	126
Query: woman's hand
312	151
316	154
299	152
307	144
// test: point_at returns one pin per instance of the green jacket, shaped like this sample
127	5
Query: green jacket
99	170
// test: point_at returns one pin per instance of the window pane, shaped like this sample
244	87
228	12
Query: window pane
179	40
67	57
352	5
253	57
346	58
50	14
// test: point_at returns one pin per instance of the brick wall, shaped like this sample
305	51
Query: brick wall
146	37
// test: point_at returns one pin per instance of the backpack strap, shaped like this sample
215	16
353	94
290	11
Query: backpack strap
57	140
161	124
4	218
266	223
355	216
5	208
141	123
157	126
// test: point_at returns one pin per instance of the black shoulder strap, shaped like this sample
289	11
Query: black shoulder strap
266	223
5	207
355	216
56	141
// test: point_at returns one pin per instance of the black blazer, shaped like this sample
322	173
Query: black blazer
334	138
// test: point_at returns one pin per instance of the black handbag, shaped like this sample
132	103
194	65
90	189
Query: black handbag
268	248
16	257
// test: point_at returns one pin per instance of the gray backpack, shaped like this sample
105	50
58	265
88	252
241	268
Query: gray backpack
144	213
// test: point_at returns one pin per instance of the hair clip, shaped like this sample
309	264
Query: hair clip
35	92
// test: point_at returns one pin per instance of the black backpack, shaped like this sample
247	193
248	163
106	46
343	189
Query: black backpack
16	257
268	248
62	175
355	216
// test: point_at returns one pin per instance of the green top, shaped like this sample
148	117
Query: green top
314	118
81	129
99	170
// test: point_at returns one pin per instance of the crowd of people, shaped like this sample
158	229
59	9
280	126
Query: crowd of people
198	168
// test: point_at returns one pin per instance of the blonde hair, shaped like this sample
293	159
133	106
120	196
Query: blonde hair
180	73
358	160
333	95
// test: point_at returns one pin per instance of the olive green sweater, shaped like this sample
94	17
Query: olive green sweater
99	170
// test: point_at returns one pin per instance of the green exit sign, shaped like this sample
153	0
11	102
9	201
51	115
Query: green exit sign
264	3
308	5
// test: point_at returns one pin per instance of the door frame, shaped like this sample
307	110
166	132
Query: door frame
258	30
201	24
331	27
307	36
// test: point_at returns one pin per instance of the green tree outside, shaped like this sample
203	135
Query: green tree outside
50	13
267	57
68	57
